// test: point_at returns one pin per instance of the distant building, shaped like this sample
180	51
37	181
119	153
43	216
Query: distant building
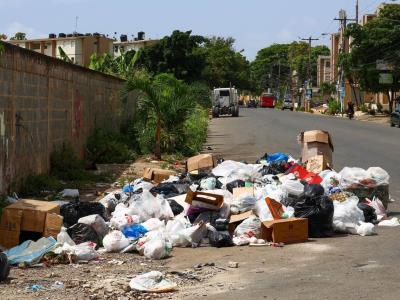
323	69
124	45
77	47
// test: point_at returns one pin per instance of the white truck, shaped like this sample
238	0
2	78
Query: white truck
225	101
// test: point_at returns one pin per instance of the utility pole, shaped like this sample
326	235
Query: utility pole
309	83
342	49
357	12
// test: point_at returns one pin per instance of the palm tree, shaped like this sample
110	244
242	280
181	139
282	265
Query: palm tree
168	100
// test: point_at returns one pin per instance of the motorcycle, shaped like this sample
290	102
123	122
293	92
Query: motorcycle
350	114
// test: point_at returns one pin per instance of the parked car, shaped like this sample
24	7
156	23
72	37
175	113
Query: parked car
395	117
287	104
252	103
267	100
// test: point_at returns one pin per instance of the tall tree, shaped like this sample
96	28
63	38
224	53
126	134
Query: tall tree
377	40
178	54
224	65
19	36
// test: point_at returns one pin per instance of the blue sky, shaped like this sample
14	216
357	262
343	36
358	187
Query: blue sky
253	23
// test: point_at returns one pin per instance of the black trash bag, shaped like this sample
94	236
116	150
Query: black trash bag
220	160
75	210
313	190
235	184
220	239
369	213
81	233
208	217
175	207
169	189
4	267
275	168
290	200
318	210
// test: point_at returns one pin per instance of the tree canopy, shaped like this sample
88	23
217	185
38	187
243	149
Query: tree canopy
19	36
377	40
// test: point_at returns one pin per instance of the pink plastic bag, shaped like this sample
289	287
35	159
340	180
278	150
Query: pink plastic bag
378	206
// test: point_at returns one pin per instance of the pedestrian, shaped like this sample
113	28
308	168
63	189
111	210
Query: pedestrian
350	109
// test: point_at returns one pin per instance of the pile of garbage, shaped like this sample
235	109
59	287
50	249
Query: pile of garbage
275	201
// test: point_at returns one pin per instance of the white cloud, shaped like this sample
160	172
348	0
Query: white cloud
19	27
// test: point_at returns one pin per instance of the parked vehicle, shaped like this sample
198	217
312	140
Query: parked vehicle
395	117
287	104
225	102
267	100
252	103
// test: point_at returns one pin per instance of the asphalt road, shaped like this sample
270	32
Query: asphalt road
342	267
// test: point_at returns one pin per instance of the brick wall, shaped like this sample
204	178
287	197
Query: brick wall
45	102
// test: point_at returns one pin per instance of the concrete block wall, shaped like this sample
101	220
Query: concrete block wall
45	102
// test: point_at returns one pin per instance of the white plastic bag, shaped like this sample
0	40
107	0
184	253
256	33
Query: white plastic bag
148	207
243	203
293	187
329	179
379	175
115	241
393	222
365	229
347	216
251	227
69	193
84	251
153	224
262	210
208	183
119	221
352	177
64	238
156	246
378	206
152	282
97	223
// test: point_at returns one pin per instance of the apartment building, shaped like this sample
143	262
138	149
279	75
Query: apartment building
77	47
125	45
323	69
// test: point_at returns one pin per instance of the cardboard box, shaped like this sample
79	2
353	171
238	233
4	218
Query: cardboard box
293	230
237	192
9	238
316	142
201	161
33	213
235	220
157	175
206	200
53	224
317	164
11	220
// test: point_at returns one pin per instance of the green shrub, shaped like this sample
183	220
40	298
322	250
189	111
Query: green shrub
333	107
279	104
40	186
363	108
105	147
65	165
195	132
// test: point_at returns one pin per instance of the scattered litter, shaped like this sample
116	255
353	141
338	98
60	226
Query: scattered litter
152	282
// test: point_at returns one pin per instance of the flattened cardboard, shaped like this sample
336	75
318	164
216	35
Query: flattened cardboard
317	164
275	208
235	220
201	161
293	230
206	200
53	225
33	213
9	238
157	175
237	192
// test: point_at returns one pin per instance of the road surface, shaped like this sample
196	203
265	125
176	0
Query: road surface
343	267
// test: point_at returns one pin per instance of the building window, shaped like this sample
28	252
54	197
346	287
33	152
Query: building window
328	64
35	46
